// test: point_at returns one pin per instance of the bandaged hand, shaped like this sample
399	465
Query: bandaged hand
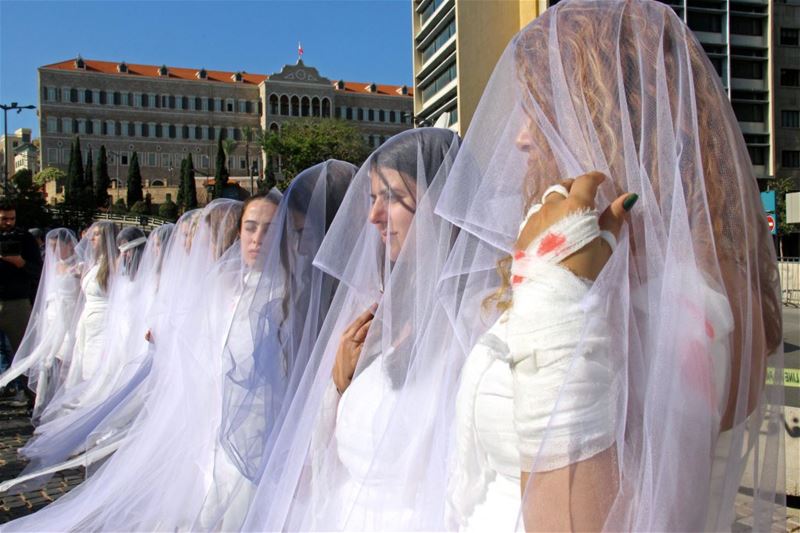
571	197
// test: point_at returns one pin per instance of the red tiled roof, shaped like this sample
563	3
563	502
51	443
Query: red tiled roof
151	71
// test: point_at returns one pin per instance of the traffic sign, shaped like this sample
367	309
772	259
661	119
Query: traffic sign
771	223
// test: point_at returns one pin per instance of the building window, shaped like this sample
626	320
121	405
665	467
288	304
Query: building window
52	155
790	158
746	112
166	160
212	134
360	114
198	132
349	113
159	131
439	82
145	99
184	102
242	163
203	161
707	22
104	128
184	132
790	77
747	26
748	70
439	41
152	159
295	107
88	96
229	106
790	36
242	106
284	105
171	101
73	96
116	98
429	10
118	129
305	106
790	118
248	107
315	108
123	159
145	130
274	106
131	129
274	127
237	134
326	108
392	117
52	125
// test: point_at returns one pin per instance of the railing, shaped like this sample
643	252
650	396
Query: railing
789	268
69	216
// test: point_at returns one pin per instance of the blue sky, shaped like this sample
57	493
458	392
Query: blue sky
368	40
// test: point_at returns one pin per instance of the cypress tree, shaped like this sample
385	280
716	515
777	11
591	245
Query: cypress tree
221	173
191	188
135	193
181	199
101	179
88	183
74	190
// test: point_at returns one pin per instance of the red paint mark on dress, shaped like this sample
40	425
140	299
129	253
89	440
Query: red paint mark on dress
519	255
709	329
516	280
550	243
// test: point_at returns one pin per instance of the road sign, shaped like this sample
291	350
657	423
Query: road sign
768	201
771	223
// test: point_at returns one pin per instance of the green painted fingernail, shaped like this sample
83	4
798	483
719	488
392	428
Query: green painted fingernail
629	202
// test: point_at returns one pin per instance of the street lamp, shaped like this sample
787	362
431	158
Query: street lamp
6	109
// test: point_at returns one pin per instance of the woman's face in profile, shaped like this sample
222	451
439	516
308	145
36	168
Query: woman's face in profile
255	223
393	206
96	237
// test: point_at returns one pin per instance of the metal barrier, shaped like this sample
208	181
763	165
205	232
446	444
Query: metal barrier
789	268
146	222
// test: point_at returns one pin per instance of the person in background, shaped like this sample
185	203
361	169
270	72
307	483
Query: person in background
38	235
20	267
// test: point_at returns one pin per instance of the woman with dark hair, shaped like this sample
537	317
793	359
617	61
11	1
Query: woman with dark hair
325	463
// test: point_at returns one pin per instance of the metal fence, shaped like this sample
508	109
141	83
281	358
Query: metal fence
70	216
789	268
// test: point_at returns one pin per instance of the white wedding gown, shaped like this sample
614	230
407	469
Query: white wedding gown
90	332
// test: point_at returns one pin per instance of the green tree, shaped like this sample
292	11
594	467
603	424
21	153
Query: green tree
87	199
119	207
190	187
140	208
135	193
182	186
169	209
73	193
49	174
304	143
102	181
31	212
221	172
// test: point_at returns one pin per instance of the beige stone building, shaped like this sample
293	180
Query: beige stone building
164	113
17	139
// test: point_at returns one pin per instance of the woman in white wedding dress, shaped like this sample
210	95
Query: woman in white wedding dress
322	472
615	378
98	272
48	337
283	301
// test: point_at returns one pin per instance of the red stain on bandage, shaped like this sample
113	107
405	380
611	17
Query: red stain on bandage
550	243
519	255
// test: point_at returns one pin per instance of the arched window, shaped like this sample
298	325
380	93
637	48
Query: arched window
295	106
274	127
305	106
326	108
285	105
315	109
274	107
157	183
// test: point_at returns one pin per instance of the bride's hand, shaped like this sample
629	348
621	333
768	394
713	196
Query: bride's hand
589	260
349	351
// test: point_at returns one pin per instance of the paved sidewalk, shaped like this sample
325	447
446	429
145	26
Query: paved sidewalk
15	430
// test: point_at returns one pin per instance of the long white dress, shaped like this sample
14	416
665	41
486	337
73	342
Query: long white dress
90	331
